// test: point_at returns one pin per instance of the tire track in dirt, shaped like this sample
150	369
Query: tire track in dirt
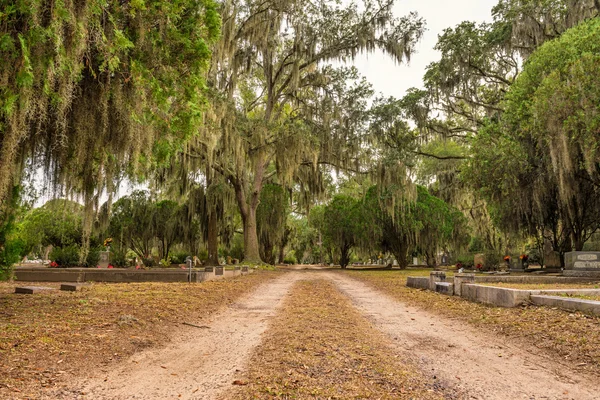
203	362
477	365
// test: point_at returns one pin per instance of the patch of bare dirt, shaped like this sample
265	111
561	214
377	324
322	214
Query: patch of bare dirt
481	365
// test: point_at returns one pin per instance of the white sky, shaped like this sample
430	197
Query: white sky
392	79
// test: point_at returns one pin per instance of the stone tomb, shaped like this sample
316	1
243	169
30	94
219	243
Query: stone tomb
582	263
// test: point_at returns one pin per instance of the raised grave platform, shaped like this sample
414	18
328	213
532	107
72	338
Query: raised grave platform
116	275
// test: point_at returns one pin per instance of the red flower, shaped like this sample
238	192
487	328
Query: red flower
110	266
53	264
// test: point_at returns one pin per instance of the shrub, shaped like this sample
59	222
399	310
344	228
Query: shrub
179	257
290	258
65	257
148	262
492	260
10	254
93	257
118	258
165	262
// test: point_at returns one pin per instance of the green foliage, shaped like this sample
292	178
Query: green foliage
66	257
11	246
179	257
89	87
290	258
118	257
57	223
341	226
271	217
424	226
545	145
93	257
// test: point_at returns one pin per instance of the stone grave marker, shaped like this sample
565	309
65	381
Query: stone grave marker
72	287
582	263
104	259
32	289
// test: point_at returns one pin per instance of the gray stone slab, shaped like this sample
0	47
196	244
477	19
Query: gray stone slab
583	260
219	271
72	287
32	289
418	282
568	303
445	288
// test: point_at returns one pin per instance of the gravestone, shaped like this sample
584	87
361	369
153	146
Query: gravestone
72	287
32	289
218	270
582	263
479	259
104	259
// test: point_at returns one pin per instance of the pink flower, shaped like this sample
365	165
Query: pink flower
110	266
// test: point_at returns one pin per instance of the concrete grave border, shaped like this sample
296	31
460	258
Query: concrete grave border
465	286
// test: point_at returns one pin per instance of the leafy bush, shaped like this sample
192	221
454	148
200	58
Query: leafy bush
179	257
118	258
93	257
149	262
290	258
492	260
65	257
10	254
466	260
165	262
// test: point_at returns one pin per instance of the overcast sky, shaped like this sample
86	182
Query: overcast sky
392	79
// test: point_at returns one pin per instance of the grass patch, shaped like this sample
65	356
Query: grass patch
572	337
320	347
46	336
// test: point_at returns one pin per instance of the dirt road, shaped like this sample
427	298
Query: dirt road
461	362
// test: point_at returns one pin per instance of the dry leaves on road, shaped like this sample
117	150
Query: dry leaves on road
319	346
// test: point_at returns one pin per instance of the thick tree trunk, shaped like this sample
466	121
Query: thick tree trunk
281	253
248	203
400	252
251	251
212	240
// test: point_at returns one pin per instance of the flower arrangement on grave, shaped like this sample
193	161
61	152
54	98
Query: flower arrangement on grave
479	267
54	264
524	257
107	242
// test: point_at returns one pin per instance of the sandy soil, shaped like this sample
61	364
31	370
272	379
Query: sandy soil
476	365
202	362
461	362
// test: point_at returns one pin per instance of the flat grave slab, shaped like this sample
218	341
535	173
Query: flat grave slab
32	289
72	287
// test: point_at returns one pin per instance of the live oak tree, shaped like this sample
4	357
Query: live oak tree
268	68
94	89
